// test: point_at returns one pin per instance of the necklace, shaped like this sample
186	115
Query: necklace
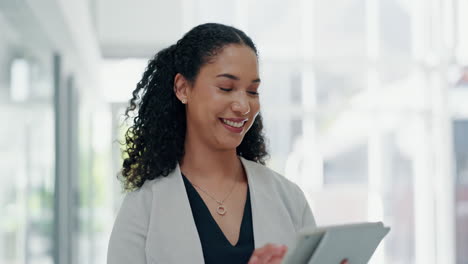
221	209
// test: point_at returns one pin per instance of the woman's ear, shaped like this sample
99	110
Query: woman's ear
181	86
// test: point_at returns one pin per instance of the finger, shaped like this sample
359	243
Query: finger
274	252
266	248
260	255
265	251
253	260
285	250
280	251
277	259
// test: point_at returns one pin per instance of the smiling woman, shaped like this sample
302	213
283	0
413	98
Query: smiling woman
198	188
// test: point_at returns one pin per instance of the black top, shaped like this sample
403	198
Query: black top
216	247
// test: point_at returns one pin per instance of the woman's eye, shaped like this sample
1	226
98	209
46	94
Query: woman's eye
253	93
225	89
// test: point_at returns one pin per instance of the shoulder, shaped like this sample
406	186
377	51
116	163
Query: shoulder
269	181
128	236
136	203
263	174
273	187
135	209
141	197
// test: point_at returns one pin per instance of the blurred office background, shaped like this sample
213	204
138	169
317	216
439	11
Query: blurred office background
365	104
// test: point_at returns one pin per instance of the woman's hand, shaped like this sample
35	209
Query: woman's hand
268	254
273	254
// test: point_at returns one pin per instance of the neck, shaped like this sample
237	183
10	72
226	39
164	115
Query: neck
204	164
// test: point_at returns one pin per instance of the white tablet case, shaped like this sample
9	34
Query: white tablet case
330	245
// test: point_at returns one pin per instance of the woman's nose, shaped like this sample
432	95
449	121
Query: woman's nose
241	105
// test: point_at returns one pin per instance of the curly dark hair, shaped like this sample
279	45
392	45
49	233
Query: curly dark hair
154	144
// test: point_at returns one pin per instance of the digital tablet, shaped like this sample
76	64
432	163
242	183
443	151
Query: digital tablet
330	245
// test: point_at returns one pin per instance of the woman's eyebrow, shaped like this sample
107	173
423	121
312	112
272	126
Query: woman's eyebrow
233	77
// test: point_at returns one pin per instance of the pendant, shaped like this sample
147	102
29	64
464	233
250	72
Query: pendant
221	210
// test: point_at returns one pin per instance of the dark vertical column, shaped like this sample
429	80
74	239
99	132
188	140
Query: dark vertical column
460	144
91	192
73	168
27	161
58	219
66	166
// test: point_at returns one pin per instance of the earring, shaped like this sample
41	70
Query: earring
184	101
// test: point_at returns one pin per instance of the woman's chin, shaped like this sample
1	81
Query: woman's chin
229	144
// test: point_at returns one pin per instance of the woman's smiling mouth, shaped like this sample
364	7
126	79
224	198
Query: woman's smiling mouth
234	124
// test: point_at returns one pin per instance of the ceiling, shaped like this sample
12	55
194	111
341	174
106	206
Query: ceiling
137	28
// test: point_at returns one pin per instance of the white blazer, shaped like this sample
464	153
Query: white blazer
155	223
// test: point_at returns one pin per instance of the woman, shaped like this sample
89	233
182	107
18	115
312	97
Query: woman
195	161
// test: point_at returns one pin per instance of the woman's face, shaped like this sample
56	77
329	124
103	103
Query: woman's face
223	101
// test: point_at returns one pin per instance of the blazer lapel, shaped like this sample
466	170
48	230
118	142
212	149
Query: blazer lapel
174	236
265	214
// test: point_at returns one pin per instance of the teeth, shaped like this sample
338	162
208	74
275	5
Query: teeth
233	124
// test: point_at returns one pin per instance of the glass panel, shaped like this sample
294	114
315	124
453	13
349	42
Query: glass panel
275	27
338	81
97	182
347	167
340	28
209	11
398	197
27	158
460	142
395	29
